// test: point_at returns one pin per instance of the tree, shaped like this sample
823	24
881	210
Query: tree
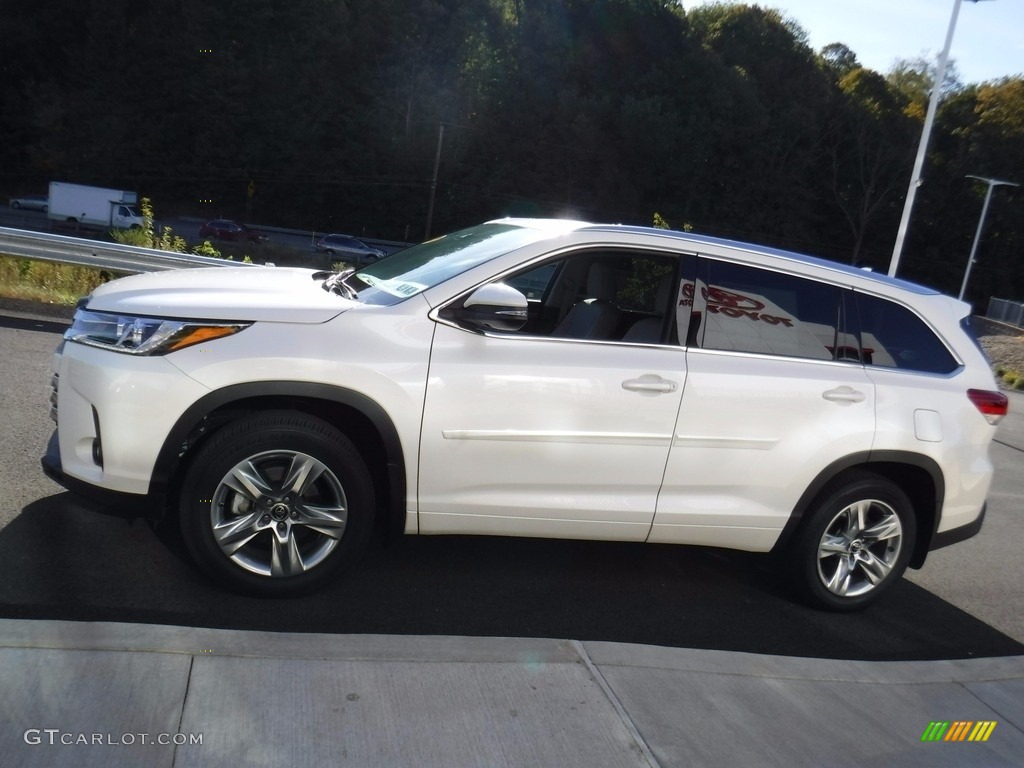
993	146
914	78
721	116
870	147
839	60
765	169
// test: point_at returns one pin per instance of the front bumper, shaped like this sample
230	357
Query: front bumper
127	503
114	413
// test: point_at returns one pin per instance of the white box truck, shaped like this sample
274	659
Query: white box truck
93	207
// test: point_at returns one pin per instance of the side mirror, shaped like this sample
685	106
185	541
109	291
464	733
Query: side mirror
494	307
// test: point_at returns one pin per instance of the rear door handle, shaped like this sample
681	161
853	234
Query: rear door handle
844	394
650	384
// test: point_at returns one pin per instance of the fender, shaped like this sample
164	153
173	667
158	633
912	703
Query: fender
866	459
184	430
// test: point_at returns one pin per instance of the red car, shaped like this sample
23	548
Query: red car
223	229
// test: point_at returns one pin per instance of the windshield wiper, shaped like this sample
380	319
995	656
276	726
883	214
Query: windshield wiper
336	284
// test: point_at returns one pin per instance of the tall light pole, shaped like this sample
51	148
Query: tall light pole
981	223
922	148
433	181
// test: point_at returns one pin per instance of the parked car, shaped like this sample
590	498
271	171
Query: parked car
31	203
655	387
349	249
224	229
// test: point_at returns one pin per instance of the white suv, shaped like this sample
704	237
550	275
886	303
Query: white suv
535	378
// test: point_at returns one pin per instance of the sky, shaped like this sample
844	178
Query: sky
988	42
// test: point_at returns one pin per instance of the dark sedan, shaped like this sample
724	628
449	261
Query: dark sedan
223	229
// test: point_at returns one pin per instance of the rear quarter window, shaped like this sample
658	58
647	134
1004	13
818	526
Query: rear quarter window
892	336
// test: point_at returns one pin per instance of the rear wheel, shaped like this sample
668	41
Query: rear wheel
277	503
856	543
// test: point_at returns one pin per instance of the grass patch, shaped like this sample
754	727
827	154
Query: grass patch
1009	378
46	281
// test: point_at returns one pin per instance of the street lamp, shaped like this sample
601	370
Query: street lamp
922	148
981	223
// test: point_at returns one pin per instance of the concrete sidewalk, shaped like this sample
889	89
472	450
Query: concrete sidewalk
107	694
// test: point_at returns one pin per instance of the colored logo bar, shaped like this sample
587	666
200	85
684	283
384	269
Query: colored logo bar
958	730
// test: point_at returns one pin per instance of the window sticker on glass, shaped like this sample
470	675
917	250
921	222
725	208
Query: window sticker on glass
401	288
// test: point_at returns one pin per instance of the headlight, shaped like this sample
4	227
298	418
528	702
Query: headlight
144	335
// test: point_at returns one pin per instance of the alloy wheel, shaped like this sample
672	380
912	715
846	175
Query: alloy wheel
859	548
278	513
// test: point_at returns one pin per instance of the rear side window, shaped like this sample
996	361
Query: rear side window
746	309
891	336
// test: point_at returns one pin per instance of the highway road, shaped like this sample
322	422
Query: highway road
61	559
285	246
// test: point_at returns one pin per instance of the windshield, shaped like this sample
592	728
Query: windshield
416	269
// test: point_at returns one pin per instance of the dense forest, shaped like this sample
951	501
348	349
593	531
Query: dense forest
387	118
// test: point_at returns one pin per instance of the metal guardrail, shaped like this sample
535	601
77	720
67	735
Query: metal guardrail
42	246
1005	311
388	246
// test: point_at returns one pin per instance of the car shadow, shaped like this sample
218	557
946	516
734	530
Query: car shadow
62	559
33	324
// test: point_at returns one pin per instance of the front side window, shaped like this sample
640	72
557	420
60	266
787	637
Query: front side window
746	309
601	294
534	283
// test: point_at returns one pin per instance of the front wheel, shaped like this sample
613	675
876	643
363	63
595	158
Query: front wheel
855	545
276	503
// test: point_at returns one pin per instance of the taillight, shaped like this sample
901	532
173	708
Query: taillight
993	405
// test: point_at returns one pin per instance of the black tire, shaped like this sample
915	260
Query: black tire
855	543
15	205
290	500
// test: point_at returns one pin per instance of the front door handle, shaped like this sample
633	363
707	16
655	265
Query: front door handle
844	394
650	384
